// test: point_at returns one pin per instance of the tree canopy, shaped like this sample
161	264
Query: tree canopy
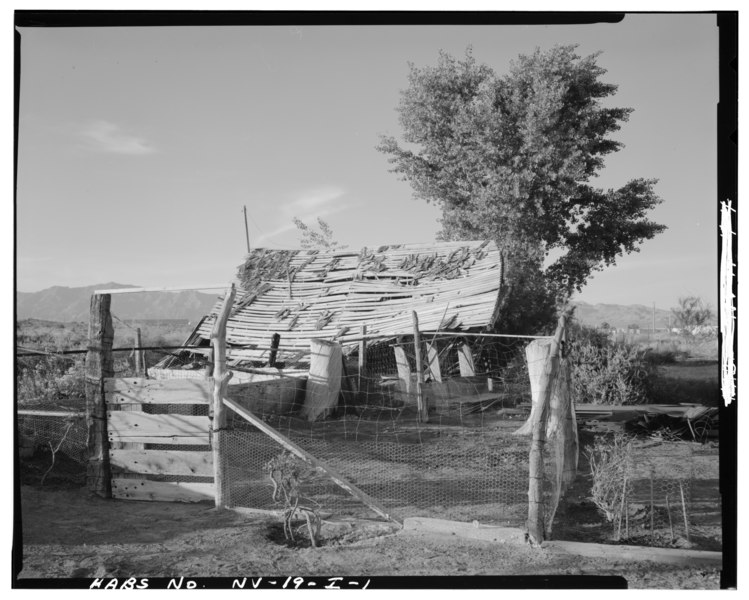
510	158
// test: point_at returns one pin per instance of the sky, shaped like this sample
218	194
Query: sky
138	148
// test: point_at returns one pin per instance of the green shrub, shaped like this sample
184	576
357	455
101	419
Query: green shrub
606	372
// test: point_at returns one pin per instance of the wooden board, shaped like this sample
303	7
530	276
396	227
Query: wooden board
157	429
137	390
162	491
162	462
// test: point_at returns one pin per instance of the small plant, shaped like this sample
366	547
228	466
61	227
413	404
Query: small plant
609	459
287	473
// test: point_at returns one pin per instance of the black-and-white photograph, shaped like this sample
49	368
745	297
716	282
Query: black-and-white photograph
375	300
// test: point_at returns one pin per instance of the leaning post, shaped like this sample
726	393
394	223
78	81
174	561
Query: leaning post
220	378
99	365
423	409
535	522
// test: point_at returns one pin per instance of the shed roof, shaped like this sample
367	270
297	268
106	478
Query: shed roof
305	294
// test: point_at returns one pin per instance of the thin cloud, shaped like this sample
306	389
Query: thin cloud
104	136
310	205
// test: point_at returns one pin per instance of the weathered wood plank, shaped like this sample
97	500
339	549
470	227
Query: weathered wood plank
157	429
465	361
162	462
162	491
125	390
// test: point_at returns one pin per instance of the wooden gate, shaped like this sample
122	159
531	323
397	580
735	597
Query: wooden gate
159	444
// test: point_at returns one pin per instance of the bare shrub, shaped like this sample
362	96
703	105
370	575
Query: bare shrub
610	459
287	473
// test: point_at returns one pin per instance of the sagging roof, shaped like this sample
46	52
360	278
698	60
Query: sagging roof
305	294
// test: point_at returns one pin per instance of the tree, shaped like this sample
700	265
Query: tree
510	158
692	312
320	240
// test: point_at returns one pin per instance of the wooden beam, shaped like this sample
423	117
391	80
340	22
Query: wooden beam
164	491
162	462
140	427
308	458
136	390
99	365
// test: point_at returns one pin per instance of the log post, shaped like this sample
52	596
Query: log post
535	521
140	365
423	414
99	365
362	357
221	377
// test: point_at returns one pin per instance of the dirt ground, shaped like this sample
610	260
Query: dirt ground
68	533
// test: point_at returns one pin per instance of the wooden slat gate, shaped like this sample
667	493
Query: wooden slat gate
159	439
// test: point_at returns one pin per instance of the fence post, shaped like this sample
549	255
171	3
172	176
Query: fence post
99	365
535	521
220	381
140	363
423	410
362	357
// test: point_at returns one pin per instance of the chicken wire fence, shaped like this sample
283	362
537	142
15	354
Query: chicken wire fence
462	462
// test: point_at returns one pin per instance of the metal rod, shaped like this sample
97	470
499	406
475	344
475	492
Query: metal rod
246	230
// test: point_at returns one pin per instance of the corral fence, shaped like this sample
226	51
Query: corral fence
396	429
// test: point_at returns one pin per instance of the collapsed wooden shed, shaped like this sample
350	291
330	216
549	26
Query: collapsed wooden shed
288	299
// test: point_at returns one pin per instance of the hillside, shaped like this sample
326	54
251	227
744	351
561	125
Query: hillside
67	304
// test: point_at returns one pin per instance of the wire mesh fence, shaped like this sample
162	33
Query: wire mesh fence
462	462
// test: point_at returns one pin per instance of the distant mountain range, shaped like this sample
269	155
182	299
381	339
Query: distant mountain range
622	316
67	304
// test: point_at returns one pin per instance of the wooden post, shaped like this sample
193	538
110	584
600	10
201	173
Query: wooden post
433	358
535	521
140	365
362	357
465	361
275	341
221	379
99	365
423	413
